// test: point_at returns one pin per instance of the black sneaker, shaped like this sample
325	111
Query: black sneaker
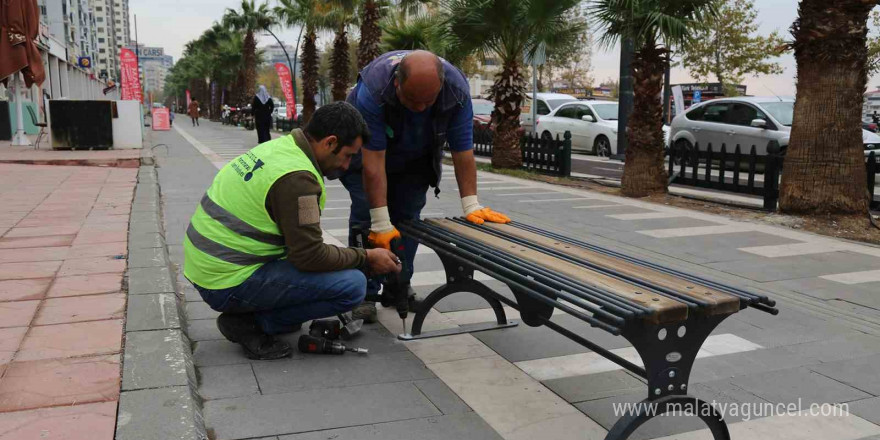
243	330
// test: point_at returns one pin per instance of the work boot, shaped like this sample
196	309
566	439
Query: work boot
243	330
366	311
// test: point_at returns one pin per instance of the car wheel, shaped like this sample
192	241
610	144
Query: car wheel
546	136
602	147
682	145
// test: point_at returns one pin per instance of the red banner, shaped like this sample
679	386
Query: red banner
287	87
161	119
188	100
131	82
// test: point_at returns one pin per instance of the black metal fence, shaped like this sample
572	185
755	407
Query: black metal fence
725	170
286	125
543	155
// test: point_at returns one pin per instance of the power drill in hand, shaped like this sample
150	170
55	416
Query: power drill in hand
394	282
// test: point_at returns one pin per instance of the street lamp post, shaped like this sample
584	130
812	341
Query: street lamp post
292	67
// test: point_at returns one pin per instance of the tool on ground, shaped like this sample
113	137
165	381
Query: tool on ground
350	326
326	328
316	345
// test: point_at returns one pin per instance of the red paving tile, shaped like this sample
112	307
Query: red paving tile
86	266
33	254
10	338
93	421
22	290
43	230
69	340
85	285
104	227
98	250
42	220
79	309
17	313
28	242
44	383
100	237
20	271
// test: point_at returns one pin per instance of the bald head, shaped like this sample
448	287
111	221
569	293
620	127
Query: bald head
419	80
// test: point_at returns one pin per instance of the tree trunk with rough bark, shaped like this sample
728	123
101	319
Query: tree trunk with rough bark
309	60
824	170
508	93
250	67
339	66
371	34
644	173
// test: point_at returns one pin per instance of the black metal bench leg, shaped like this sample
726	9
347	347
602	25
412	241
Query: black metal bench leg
459	279
680	405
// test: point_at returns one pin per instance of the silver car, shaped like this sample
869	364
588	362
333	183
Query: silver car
743	121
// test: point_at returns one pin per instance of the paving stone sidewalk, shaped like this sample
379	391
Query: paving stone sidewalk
528	382
62	258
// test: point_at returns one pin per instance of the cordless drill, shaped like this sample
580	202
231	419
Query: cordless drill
395	283
318	345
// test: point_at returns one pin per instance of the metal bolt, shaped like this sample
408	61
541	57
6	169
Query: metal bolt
657	391
451	279
460	269
683	387
671	387
672	374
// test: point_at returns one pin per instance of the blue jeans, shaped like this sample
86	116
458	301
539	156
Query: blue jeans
407	195
282	297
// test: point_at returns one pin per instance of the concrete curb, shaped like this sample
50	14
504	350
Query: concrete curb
159	397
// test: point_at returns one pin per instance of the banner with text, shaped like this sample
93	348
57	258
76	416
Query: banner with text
188	101
284	77
131	82
161	119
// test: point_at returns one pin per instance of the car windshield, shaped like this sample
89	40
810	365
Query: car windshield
607	112
483	108
782	111
553	103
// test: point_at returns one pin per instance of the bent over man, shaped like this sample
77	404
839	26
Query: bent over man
254	250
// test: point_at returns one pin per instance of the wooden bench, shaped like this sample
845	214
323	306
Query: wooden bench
665	314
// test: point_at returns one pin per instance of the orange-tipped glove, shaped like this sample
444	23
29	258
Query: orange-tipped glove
477	214
381	229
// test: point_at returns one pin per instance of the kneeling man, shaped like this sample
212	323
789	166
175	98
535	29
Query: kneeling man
254	250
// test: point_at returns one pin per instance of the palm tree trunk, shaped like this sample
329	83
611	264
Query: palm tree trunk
368	48
508	92
309	60
824	169
339	65
643	173
250	65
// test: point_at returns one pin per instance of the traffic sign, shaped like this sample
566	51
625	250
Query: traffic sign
698	97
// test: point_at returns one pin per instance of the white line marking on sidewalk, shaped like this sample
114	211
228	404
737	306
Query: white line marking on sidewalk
644	215
868	276
464	317
438	277
499	188
590	363
334	218
336	209
699	230
572	199
338	232
527	194
597	206
207	152
790	250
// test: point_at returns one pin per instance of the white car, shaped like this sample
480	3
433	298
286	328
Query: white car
743	121
547	102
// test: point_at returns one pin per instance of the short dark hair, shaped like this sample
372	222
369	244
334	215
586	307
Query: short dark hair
403	69
338	119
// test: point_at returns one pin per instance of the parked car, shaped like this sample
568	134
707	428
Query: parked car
743	121
547	102
870	126
593	126
482	111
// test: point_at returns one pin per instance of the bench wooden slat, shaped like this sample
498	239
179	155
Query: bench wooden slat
665	309
719	302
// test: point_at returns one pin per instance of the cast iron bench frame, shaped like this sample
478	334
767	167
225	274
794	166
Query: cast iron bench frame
667	348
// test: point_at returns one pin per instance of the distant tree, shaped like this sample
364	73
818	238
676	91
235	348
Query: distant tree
371	34
727	47
311	15
250	19
874	46
571	62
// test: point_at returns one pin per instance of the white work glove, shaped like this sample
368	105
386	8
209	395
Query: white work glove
381	229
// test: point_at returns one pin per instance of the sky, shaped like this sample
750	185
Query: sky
172	23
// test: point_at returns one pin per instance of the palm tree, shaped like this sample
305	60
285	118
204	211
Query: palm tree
654	27
249	19
339	18
509	29
311	14
371	34
824	170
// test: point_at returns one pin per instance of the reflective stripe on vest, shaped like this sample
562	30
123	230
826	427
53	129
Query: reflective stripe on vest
225	253
237	225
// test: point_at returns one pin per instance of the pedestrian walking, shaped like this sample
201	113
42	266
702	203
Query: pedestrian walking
193	111
171	119
262	107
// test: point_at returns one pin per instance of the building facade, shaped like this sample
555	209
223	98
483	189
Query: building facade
871	105
73	23
154	66
274	53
